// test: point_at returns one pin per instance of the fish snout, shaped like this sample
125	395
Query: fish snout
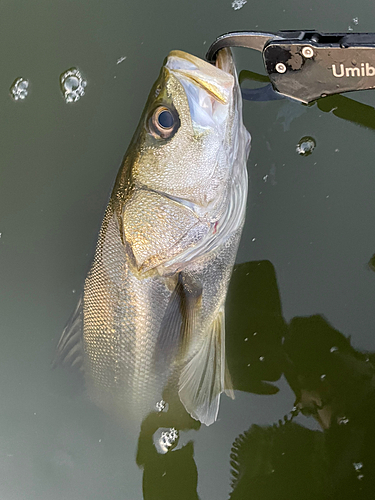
216	82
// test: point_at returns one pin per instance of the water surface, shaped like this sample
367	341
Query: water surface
305	250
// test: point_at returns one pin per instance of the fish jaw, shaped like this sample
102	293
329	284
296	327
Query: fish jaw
209	90
216	82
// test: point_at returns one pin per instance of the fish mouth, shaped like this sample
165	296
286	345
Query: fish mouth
216	80
209	88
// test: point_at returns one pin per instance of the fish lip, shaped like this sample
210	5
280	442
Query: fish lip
214	80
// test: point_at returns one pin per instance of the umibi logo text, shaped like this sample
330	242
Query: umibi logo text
364	70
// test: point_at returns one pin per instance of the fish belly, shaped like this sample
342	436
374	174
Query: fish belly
122	318
122	315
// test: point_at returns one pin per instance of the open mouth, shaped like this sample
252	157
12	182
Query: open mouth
209	88
215	80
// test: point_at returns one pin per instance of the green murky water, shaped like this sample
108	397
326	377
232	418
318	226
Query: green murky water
305	251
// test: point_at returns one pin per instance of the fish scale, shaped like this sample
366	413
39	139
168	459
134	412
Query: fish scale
117	357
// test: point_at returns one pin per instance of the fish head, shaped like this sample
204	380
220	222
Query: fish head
187	138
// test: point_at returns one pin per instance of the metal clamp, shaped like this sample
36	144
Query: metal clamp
306	65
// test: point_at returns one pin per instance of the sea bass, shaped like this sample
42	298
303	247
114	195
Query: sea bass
152	311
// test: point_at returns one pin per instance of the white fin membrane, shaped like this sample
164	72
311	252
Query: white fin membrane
205	376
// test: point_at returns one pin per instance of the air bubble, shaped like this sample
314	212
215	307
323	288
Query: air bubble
72	85
343	420
306	146
238	4
295	411
161	405
358	469
167	439
19	89
261	358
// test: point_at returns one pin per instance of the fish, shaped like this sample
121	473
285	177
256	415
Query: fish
152	312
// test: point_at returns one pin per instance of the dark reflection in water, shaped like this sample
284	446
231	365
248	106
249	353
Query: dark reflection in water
283	460
255	328
348	109
335	384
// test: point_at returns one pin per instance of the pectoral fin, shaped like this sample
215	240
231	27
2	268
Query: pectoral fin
179	321
70	348
206	375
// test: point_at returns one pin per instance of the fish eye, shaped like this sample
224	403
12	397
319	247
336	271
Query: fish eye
165	119
164	123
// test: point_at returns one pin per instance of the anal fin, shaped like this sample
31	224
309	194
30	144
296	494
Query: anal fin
206	376
70	346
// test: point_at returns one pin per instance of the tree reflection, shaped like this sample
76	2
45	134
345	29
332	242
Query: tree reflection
281	461
334	383
255	328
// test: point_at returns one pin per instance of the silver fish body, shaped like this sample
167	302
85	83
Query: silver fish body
152	312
